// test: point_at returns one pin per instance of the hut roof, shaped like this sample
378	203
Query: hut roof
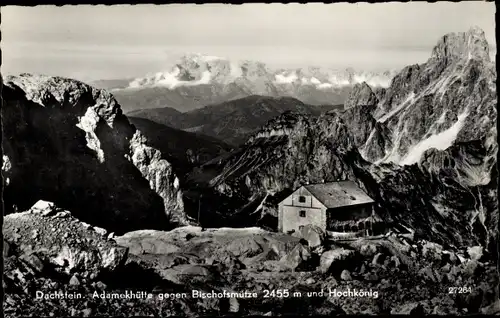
338	194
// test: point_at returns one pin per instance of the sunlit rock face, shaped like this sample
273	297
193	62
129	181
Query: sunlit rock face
69	143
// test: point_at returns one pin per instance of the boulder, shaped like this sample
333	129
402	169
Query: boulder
313	234
269	255
493	309
368	250
427	273
244	246
165	261
184	273
100	231
33	261
345	275
297	257
274	266
475	253
378	259
234	305
446	268
409	309
73	248
45	208
450	257
394	262
7	249
61	214
147	242
329	258
432	250
362	269
231	263
472	268
74	281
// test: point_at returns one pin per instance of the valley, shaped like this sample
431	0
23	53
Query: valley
232	121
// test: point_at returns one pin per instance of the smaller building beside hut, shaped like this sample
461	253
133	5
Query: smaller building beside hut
335	206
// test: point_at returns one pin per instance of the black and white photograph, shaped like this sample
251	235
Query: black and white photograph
257	159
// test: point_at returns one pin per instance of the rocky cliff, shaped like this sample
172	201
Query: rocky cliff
69	143
424	148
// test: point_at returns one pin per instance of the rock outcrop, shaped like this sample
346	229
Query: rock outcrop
48	235
69	143
361	94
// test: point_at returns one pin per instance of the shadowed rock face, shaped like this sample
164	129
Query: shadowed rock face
69	143
426	151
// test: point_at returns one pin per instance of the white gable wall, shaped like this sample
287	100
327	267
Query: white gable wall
289	211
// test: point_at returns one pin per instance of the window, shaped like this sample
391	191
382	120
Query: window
302	199
302	214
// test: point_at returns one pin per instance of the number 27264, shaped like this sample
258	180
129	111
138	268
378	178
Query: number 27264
459	290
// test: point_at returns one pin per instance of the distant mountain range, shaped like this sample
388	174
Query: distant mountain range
231	122
196	81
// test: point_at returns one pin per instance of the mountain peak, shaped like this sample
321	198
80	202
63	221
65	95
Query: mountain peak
457	46
361	94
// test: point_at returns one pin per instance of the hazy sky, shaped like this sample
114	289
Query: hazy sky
90	42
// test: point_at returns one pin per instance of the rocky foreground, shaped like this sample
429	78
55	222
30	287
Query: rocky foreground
47	252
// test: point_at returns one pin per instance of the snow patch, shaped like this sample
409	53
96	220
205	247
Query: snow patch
393	155
315	81
235	70
405	103
324	85
170	80
286	79
338	81
440	141
442	118
362	149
